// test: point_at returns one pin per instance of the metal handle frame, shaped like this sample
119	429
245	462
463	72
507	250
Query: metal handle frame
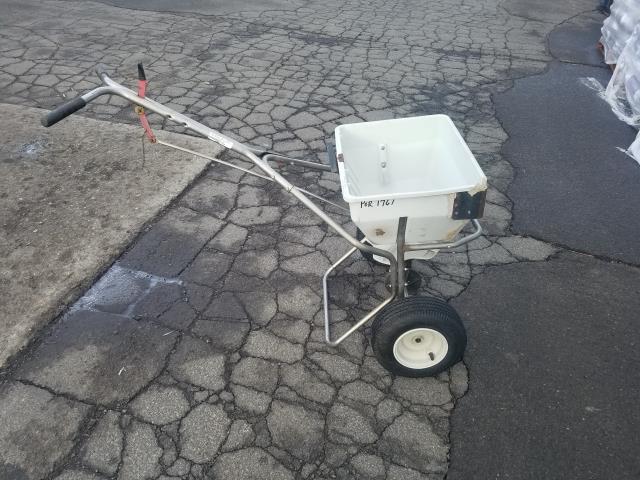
260	158
111	87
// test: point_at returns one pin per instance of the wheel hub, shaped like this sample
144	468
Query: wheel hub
420	348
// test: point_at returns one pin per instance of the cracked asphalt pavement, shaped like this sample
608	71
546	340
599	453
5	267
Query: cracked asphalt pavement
200	352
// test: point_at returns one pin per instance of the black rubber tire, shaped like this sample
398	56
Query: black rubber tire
366	255
417	312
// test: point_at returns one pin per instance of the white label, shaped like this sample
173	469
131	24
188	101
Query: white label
377	203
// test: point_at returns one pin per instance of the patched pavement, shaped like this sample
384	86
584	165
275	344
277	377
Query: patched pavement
200	353
72	198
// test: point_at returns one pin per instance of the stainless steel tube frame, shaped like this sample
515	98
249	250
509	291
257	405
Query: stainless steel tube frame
111	87
412	247
396	270
325	304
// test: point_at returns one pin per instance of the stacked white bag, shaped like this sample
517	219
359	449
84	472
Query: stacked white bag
618	28
621	41
623	90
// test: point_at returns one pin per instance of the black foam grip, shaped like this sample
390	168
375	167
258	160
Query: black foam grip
63	111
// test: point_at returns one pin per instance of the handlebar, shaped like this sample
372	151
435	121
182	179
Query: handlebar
78	103
63	111
110	87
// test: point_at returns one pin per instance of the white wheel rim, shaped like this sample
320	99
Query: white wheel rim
420	348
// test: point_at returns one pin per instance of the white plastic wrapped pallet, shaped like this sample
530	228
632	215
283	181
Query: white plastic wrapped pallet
618	28
621	41
623	90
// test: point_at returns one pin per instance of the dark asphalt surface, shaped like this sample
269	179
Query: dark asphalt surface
553	357
575	40
572	185
553	351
